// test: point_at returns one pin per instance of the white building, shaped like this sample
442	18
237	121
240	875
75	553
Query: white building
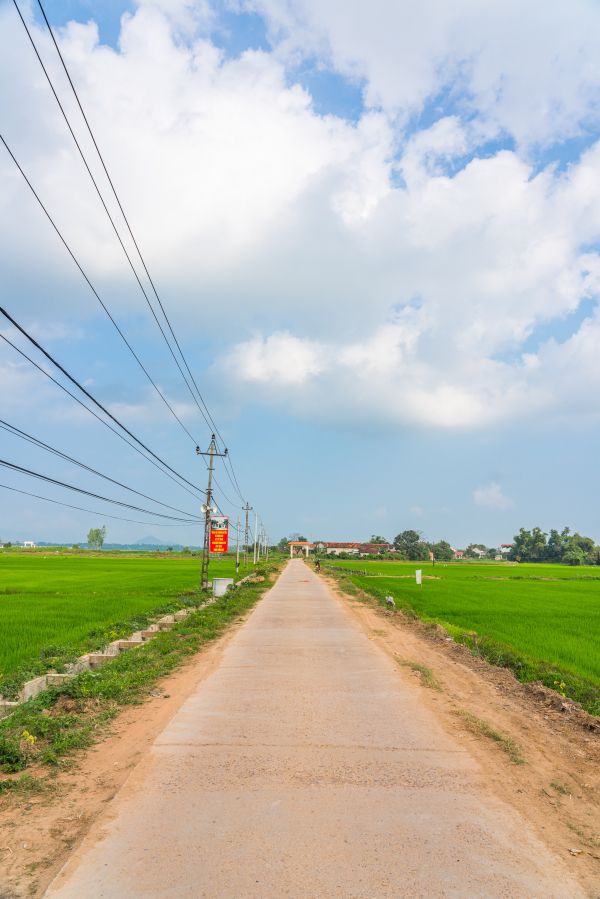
29	544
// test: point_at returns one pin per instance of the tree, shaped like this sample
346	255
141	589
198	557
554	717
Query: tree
282	546
95	537
442	551
574	556
529	546
408	545
375	538
558	544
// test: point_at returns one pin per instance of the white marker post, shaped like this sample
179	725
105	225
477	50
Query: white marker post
419	577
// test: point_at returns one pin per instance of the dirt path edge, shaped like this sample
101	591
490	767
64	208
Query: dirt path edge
557	789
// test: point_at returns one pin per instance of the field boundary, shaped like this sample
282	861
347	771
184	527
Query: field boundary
92	660
575	695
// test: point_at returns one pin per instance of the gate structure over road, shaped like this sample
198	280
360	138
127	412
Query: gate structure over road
297	547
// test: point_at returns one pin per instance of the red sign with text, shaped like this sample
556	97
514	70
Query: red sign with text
219	534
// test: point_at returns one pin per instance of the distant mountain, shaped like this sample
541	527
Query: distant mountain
149	541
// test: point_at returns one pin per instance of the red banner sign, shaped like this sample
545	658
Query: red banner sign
219	534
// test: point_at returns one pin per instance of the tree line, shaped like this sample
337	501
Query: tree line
562	547
557	546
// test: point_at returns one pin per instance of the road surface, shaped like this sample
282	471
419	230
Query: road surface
305	766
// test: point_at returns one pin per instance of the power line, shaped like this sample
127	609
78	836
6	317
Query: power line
104	307
91	397
23	435
154	524
93	289
43	477
210	421
98	417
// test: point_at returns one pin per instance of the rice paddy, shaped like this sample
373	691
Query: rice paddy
55	605
543	621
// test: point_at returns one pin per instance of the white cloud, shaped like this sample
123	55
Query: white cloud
491	496
279	232
280	360
532	71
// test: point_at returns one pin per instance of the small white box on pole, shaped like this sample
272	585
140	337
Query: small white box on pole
419	577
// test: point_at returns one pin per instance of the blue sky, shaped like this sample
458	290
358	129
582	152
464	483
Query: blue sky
376	239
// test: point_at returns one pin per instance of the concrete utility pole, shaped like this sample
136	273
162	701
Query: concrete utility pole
255	536
247	508
208	508
237	546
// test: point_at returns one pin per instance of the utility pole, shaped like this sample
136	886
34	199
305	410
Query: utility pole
255	536
237	546
207	508
247	508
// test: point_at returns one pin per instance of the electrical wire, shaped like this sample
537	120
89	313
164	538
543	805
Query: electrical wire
91	397
43	477
23	435
203	407
93	289
154	524
98	417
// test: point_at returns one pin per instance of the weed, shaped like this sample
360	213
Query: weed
560	788
428	678
482	728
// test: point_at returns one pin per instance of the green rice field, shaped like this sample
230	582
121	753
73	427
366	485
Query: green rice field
543	621
55	605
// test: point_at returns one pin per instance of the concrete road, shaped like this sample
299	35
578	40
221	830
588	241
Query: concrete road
305	766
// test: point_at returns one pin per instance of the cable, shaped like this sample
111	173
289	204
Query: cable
93	289
17	432
106	499
92	398
154	524
120	332
101	420
210	421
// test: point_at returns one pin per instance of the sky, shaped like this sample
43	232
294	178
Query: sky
375	229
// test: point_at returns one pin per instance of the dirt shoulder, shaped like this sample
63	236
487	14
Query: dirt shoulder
39	831
557	787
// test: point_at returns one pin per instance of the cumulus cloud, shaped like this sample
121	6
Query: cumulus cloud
530	71
376	268
491	496
280	360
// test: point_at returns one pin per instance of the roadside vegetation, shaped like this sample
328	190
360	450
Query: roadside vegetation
541	621
55	607
482	729
49	729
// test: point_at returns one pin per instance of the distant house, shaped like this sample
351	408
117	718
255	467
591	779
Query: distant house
357	549
479	553
335	549
373	549
29	544
505	548
459	553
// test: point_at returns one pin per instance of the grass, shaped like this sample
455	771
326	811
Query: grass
54	607
428	678
481	728
541	621
51	728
